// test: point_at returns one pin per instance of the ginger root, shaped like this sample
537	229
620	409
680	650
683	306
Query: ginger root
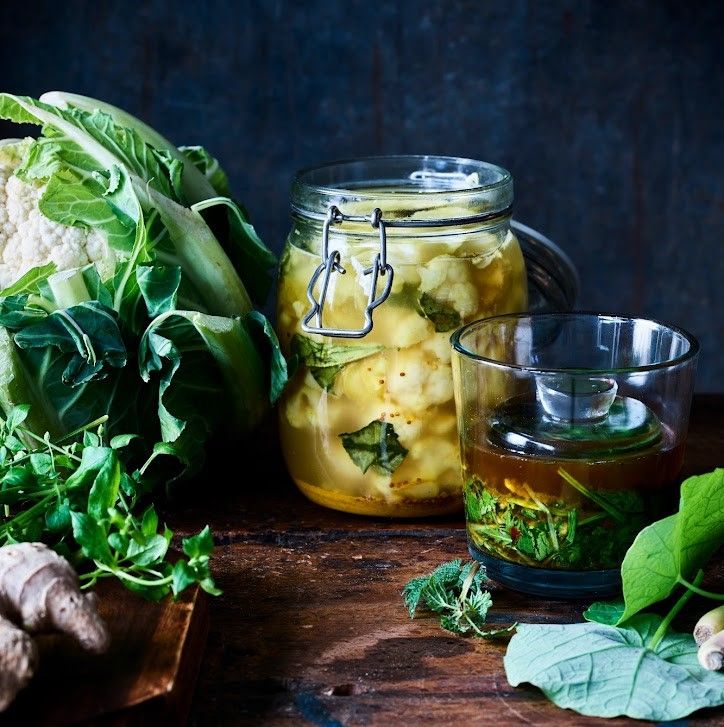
39	592
18	659
711	652
708	625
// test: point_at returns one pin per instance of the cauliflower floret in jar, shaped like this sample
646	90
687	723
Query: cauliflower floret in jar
344	414
447	280
408	425
339	415
479	245
299	309
398	324
297	268
362	381
443	424
490	280
343	474
407	277
419	379
430	459
500	279
346	297
300	405
355	239
431	244
420	252
438	346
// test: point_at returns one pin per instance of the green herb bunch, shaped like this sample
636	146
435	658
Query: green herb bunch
76	495
456	593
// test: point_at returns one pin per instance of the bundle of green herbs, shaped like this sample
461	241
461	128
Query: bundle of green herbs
622	660
76	495
456	593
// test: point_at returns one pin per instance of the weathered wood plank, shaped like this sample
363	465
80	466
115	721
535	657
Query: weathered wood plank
318	630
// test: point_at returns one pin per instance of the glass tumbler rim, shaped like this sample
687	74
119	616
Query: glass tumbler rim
688	355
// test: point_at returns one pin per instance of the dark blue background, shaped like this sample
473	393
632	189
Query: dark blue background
608	114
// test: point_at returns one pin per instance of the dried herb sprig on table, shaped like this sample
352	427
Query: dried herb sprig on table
456	593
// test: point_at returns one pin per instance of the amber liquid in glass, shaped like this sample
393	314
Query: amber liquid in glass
575	514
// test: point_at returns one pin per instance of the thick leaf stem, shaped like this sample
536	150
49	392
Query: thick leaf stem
699	591
468	581
149	461
676	608
48	444
85	428
40	302
126	576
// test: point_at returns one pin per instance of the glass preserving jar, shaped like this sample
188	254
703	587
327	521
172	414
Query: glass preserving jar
385	258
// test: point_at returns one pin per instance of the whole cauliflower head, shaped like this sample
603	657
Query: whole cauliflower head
28	238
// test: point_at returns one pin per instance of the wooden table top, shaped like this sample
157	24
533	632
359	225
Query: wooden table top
311	628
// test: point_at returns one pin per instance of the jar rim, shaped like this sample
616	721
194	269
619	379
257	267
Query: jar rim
504	175
689	354
412	179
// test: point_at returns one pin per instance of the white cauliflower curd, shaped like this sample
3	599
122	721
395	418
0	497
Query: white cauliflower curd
449	281
28	238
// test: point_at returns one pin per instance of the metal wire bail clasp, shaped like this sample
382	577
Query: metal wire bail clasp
331	264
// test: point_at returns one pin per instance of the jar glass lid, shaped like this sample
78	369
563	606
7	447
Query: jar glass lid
553	282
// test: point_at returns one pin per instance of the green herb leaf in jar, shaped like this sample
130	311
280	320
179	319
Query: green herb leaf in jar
444	317
326	360
376	445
